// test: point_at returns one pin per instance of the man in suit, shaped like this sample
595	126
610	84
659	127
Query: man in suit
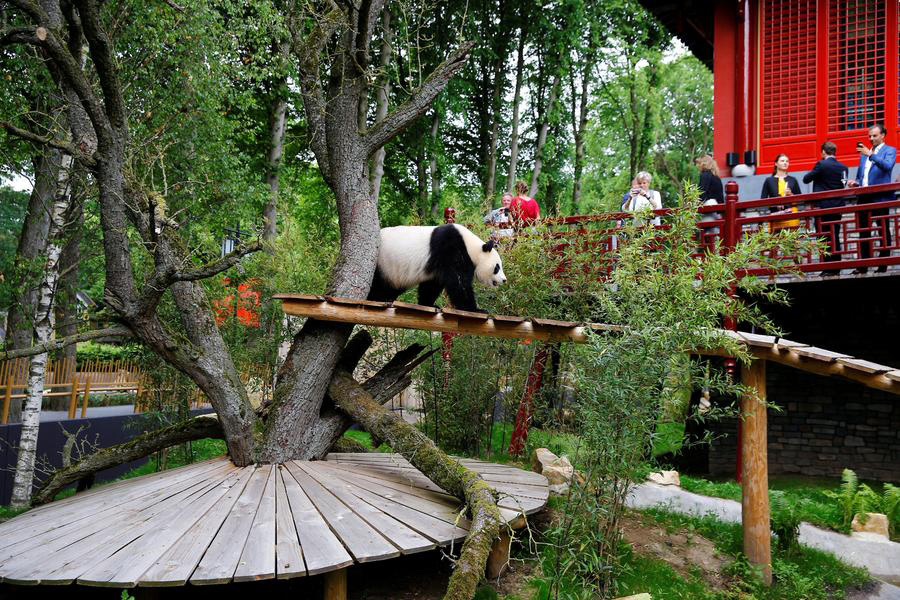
829	174
875	166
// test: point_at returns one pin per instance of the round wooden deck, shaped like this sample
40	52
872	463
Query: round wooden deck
212	522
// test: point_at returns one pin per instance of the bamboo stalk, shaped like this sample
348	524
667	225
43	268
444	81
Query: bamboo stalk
73	399
4	418
87	395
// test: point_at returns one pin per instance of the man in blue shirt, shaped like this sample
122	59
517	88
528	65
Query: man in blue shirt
875	166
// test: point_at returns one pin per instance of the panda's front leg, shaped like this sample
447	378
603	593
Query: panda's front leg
461	294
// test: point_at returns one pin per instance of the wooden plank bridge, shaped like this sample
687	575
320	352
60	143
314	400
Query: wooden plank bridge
214	523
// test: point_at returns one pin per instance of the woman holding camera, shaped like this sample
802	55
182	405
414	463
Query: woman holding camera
641	196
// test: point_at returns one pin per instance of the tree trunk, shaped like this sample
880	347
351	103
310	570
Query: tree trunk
277	115
579	124
382	95
66	300
32	243
517	101
434	173
31	412
542	134
499	83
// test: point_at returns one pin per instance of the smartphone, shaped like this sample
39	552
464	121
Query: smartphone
859	144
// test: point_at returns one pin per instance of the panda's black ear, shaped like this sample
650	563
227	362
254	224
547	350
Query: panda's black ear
489	246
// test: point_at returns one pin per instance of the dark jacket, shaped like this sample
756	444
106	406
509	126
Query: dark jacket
828	174
770	186
711	188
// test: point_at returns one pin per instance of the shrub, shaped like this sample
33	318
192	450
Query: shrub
785	521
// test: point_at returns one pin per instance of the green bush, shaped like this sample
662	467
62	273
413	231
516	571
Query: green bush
785	521
94	351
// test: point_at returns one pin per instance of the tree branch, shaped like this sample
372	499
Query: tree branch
225	263
198	428
383	132
48	141
33	9
447	473
308	50
102	56
66	341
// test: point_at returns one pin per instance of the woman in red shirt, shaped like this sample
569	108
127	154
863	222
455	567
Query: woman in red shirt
524	210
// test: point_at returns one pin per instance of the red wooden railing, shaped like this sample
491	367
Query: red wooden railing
855	229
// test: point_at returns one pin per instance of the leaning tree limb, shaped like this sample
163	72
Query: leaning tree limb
447	473
66	341
206	426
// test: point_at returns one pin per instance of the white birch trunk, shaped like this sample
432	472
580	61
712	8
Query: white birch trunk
43	326
514	141
542	136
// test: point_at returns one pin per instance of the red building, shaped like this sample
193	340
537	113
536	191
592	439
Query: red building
792	74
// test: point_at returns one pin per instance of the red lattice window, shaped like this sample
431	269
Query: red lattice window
788	68
856	64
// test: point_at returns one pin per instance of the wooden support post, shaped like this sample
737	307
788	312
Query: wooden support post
87	395
498	559
335	587
755	485
73	397
7	397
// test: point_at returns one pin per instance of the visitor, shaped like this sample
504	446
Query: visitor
499	217
711	190
829	174
641	196
875	166
524	210
779	185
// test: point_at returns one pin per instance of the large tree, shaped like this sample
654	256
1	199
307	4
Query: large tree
331	46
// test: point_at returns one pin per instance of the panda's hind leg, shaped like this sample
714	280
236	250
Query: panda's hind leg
460	292
381	290
429	291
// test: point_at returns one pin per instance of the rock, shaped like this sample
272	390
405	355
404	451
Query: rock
644	596
665	478
876	525
559	489
557	469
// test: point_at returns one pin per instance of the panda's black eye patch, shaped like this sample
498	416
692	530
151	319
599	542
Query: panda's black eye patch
496	269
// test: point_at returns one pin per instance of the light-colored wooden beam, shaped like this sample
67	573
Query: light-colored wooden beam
335	585
755	470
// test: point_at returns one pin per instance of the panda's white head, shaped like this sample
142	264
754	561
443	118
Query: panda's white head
489	267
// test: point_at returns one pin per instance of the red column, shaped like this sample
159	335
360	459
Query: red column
731	236
523	415
447	337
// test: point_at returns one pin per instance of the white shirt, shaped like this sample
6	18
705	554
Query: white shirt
868	167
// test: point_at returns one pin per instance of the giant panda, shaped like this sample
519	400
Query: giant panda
435	259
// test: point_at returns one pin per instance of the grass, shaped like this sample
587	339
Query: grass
809	573
365	439
806	493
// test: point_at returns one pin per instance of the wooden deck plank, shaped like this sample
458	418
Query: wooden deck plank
401	483
363	542
400	505
445	507
67	563
322	550
863	365
125	567
404	477
257	561
94	515
819	353
893	375
70	531
288	554
220	561
404	538
175	566
82	505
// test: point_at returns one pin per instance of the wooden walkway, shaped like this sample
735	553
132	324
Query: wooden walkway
212	522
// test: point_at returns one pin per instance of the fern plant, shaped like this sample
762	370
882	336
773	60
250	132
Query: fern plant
785	521
855	497
890	504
